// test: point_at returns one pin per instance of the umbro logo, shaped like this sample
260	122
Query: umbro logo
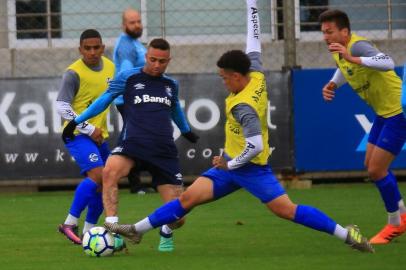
139	86
168	90
118	149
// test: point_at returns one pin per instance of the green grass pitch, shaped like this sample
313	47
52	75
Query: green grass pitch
236	232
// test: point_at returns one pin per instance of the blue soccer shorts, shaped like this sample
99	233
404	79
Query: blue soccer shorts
256	179
160	160
87	154
389	133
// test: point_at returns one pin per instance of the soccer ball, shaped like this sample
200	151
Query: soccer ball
98	242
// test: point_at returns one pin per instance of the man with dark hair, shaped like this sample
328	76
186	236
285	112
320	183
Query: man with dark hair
339	17
246	152
370	73
150	103
82	83
236	60
129	53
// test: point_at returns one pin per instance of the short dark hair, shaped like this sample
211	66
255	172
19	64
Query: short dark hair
159	43
235	60
335	15
90	33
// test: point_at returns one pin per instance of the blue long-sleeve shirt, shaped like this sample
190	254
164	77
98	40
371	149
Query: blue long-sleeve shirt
150	103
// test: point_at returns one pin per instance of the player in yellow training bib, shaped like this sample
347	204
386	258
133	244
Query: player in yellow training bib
82	83
370	74
245	162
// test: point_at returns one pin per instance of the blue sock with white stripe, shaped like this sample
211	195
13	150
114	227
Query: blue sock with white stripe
167	214
83	194
313	218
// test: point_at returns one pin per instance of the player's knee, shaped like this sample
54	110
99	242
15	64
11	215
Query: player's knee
187	200
109	175
95	174
376	173
96	177
285	213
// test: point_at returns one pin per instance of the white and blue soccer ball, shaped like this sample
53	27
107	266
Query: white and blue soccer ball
98	242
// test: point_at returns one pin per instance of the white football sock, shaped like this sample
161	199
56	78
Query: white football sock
143	226
394	218
341	232
165	229
402	207
71	220
111	219
87	226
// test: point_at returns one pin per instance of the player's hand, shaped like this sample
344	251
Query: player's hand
338	48
97	136
329	91
191	137
342	50
219	162
67	133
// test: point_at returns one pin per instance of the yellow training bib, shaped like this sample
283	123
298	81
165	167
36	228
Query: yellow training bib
256	96
92	85
379	89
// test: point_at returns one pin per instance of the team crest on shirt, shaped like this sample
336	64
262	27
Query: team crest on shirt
93	157
168	90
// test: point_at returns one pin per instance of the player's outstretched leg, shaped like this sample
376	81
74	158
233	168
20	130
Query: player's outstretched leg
126	230
315	219
356	241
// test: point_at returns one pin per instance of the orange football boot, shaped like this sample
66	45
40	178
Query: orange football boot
389	232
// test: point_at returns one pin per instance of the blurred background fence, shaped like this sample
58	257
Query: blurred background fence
40	37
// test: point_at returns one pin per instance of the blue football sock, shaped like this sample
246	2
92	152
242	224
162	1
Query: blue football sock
313	218
94	208
84	192
167	213
390	194
397	194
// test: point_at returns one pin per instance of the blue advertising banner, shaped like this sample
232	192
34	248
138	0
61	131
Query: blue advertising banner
330	136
